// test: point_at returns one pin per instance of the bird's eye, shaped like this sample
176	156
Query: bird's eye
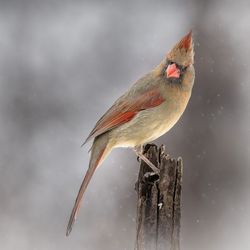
182	68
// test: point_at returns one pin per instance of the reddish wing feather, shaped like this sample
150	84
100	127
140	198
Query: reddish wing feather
125	111
120	118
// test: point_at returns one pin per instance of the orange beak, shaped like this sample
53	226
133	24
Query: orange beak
173	71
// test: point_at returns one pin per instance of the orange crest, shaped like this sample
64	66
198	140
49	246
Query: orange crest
182	53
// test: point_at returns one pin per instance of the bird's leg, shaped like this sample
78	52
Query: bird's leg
138	150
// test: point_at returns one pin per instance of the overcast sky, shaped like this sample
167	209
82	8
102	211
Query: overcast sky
62	65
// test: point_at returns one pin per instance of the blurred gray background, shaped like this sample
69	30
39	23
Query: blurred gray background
63	63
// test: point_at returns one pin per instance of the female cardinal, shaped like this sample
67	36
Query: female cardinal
146	111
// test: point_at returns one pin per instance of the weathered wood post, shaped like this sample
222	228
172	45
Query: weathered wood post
159	199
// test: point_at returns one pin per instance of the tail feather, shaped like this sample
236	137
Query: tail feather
99	151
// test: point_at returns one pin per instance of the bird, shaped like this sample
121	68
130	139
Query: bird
149	109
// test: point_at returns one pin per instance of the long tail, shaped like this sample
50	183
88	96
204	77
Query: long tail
99	151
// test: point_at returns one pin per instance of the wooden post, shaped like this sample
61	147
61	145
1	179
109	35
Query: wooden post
159	199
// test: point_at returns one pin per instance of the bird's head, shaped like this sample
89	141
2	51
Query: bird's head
177	67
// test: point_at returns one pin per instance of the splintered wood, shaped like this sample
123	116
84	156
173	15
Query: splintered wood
159	201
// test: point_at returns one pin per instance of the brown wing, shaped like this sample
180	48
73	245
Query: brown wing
125	109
